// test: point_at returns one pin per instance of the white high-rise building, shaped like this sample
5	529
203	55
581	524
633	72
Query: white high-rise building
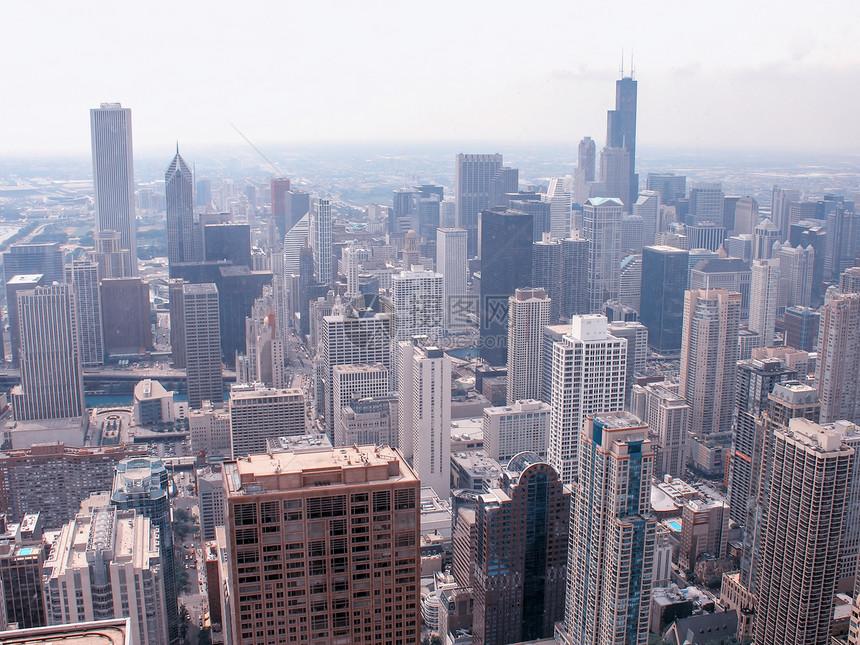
764	299
589	368
601	226
320	241
529	312
294	241
808	495
796	266
612	536
452	263
350	256
202	332
209	428
350	382
522	426
258	413
668	416
558	195
416	298
838	369
51	379
83	276
106	563
113	174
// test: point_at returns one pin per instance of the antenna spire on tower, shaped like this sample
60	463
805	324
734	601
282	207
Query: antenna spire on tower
622	63
631	65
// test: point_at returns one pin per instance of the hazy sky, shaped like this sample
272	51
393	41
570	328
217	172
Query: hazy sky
731	74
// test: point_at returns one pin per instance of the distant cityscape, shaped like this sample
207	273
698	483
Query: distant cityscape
403	394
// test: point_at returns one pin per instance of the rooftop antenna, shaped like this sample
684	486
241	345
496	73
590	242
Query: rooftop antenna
631	64
622	62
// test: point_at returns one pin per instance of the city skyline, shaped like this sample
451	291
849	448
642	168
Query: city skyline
691	100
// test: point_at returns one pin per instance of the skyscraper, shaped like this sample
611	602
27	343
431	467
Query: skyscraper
473	175
796	268
258	413
126	316
332	511
528	313
416	297
451	262
506	263
589	367
668	417
178	191
202	332
522	426
621	131
320	240
521	553
28	259
15	284
113	174
84	279
806	506
647	206
279	188
706	203
664	280
709	356
601	224
51	378
611	555
780	208
838	367
764	299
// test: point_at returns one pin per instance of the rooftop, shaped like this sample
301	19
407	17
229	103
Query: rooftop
115	631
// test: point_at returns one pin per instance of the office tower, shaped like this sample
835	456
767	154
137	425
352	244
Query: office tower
730	211
202	343
294	241
550	335
709	356
451	262
585	169
630	282
51	379
351	383
14	285
177	322
106	564
575	255
52	479
521	426
279	189
203	192
178	183
796	265
506	263
521	553
349	339
781	199
705	235
647	206
704	529
528	313
615	175
631	233
621	132
505	182
601	226
320	241
843	240
801	539
541	212
209	429
611	556
473	174
350	260
706	204
636	335
319	503
227	243
210	496
258	413
113	261
806	234
424	382
28	259
764	299
766	233
404	211
23	550
730	274
746	216
756	379
739	246
671	187
126	316
559	200
263	361
838	368
83	276
548	272
428	202
142	484
113	174
800	325
371	421
668	416
416	299
589	367
664	280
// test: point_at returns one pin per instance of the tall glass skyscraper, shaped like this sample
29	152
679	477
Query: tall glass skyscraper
664	280
178	191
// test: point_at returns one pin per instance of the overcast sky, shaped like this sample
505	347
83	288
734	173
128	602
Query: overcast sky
727	74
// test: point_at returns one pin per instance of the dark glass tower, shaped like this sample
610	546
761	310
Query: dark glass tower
664	280
179	195
621	129
506	263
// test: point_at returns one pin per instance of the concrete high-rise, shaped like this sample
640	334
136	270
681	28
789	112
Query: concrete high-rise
780	208
764	299
706	204
668	416
838	367
202	335
45	258
506	264
332	512
417	301
611	555
615	175
808	496
765	235
83	276
521	531
126	316
351	383
258	413
51	378
113	174
522	426
709	356
178	192
452	263
796	267
113	260
528	314
585	169
320	241
472	186
601	226
671	187
664	280
589	368
647	206
621	131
